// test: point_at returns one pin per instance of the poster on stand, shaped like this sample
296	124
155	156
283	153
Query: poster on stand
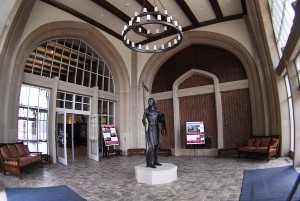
195	133
110	135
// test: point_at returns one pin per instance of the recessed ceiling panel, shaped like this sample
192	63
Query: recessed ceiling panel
129	7
97	13
201	9
173	10
230	7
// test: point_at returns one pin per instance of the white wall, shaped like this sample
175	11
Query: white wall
6	16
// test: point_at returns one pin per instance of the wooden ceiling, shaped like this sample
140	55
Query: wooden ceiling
110	16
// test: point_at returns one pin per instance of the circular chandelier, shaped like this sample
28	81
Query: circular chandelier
151	26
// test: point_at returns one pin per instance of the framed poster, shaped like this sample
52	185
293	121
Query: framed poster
110	135
195	133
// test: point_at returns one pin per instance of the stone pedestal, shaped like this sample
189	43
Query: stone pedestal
160	175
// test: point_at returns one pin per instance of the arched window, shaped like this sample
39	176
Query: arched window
283	15
73	61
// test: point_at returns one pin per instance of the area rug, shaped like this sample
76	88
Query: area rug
53	193
269	184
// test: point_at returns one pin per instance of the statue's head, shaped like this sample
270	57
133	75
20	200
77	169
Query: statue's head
151	101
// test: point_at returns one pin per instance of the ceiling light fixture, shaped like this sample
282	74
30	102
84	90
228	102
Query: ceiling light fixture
151	26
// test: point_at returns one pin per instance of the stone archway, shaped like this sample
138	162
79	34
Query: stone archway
225	42
95	39
176	107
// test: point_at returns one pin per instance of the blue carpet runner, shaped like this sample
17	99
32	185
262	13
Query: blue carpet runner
53	193
271	184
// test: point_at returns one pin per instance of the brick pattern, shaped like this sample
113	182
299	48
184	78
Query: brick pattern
195	81
198	108
236	117
166	107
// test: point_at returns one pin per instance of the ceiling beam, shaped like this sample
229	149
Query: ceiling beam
112	9
217	10
244	7
188	12
82	17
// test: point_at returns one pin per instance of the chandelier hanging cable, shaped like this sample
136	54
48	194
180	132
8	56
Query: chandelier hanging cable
154	26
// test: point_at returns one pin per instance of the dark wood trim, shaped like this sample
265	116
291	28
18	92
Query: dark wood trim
82	17
244	7
188	12
216	7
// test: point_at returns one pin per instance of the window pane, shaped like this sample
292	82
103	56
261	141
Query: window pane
23	113
111	108
24	95
34	96
79	76
105	108
68	105
32	114
78	98
69	97
78	106
86	100
22	129
86	107
42	130
44	98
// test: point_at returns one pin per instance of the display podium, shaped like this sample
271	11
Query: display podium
160	175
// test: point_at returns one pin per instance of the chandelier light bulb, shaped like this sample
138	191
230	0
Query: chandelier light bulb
162	46
169	44
165	12
145	10
155	9
147	47
140	46
159	17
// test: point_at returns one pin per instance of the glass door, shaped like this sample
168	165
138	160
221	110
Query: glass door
93	138
61	138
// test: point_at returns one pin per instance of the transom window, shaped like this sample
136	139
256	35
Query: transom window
73	61
73	101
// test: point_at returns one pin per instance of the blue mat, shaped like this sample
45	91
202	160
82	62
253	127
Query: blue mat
53	193
271	184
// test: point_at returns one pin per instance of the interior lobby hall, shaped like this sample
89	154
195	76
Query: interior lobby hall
199	178
77	77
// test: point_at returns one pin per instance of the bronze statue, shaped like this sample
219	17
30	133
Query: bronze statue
154	117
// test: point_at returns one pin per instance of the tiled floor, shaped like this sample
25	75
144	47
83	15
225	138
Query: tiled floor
199	178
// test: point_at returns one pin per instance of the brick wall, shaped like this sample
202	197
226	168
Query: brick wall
198	108
195	81
236	117
166	107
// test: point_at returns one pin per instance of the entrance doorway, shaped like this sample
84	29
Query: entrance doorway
71	136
